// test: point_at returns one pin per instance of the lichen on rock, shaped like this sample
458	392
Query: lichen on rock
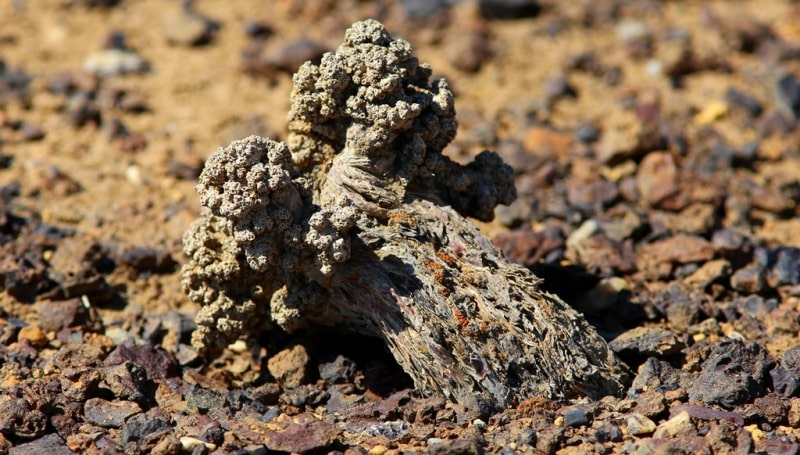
360	222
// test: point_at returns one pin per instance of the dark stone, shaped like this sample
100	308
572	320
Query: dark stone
20	418
787	266
258	29
784	382
127	381
271	414
608	433
143	431
51	444
735	373
339	370
750	104
289	57
242	401
650	403
527	247
681	304
185	167
786	377
694	444
82	110
78	384
575	417
473	407
31	131
514	215
148	260
657	375
266	394
509	9
109	413
746	155
77	356
755	306
647	342
526	437
213	434
306	433
787	91
304	395
791	360
559	87
750	279
769	408
777	447
61	314
587	134
158	363
456	447
423	9
592	196
202	399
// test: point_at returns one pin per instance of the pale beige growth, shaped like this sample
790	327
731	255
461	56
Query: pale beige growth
364	228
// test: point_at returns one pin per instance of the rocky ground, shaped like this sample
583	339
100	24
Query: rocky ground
656	146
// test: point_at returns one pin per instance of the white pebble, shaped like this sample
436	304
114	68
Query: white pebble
113	62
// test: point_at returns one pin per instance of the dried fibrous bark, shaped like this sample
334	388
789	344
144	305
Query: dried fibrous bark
360	222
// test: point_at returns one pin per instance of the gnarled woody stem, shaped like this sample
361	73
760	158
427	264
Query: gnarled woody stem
364	228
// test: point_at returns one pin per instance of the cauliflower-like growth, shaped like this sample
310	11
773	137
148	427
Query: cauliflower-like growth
257	237
362	225
249	184
230	294
367	121
325	234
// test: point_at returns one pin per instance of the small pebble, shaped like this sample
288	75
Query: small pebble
258	29
608	432
647	342
188	29
189	444
587	134
575	418
639	425
787	94
113	62
434	441
34	335
750	104
31	132
526	437
559	87
587	229
509	9
636	36
290	367
109	413
423	9
712	112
